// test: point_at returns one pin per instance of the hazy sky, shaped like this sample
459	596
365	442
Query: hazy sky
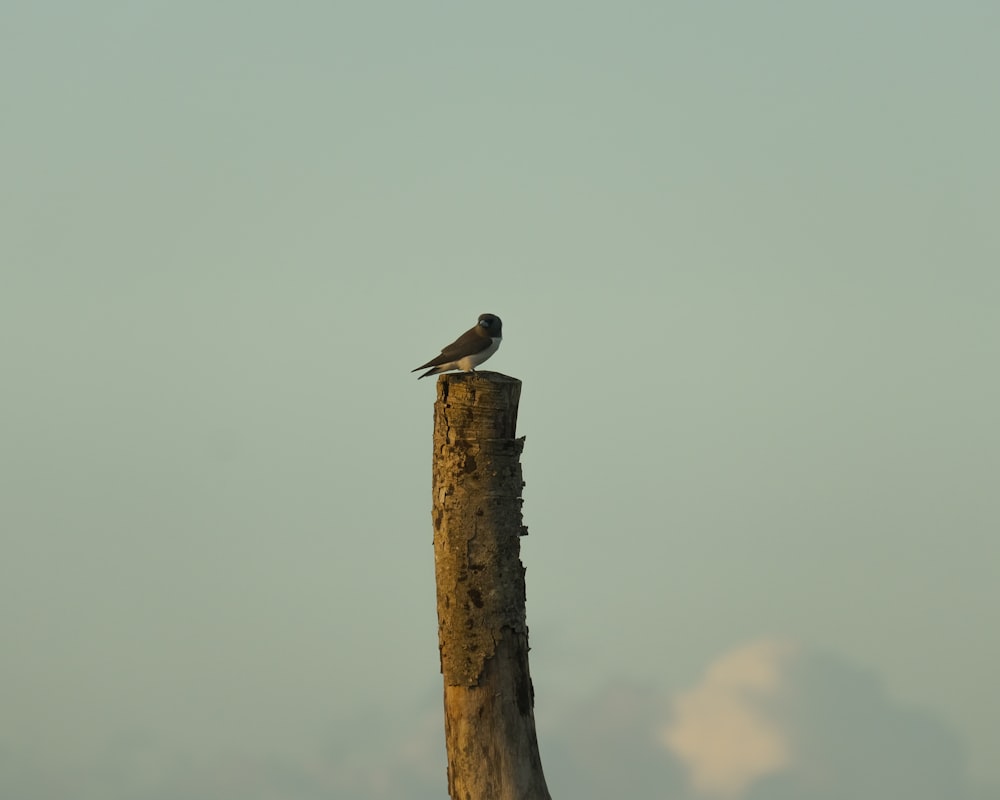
747	256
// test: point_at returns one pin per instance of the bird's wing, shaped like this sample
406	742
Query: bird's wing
467	344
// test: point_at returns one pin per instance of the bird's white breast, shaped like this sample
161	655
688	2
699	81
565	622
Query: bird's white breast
470	362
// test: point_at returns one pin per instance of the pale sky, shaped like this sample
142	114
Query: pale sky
747	257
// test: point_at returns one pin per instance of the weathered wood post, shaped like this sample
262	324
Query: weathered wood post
489	720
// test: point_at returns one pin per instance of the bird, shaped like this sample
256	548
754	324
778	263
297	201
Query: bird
469	350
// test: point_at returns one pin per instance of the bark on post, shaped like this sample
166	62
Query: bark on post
482	635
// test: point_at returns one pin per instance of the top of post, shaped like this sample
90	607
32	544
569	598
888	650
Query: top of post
481	404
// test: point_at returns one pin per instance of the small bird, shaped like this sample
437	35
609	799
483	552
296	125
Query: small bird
469	350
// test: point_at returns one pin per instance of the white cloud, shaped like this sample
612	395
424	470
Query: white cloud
772	720
720	729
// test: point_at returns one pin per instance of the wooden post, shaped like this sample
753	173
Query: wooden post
489	720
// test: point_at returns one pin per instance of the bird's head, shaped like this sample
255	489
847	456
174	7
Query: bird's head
490	323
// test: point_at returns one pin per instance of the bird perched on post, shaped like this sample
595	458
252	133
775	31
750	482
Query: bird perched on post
469	350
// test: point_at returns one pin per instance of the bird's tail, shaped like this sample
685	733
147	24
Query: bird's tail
431	371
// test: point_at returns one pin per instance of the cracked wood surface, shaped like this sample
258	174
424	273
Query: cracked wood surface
482	635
